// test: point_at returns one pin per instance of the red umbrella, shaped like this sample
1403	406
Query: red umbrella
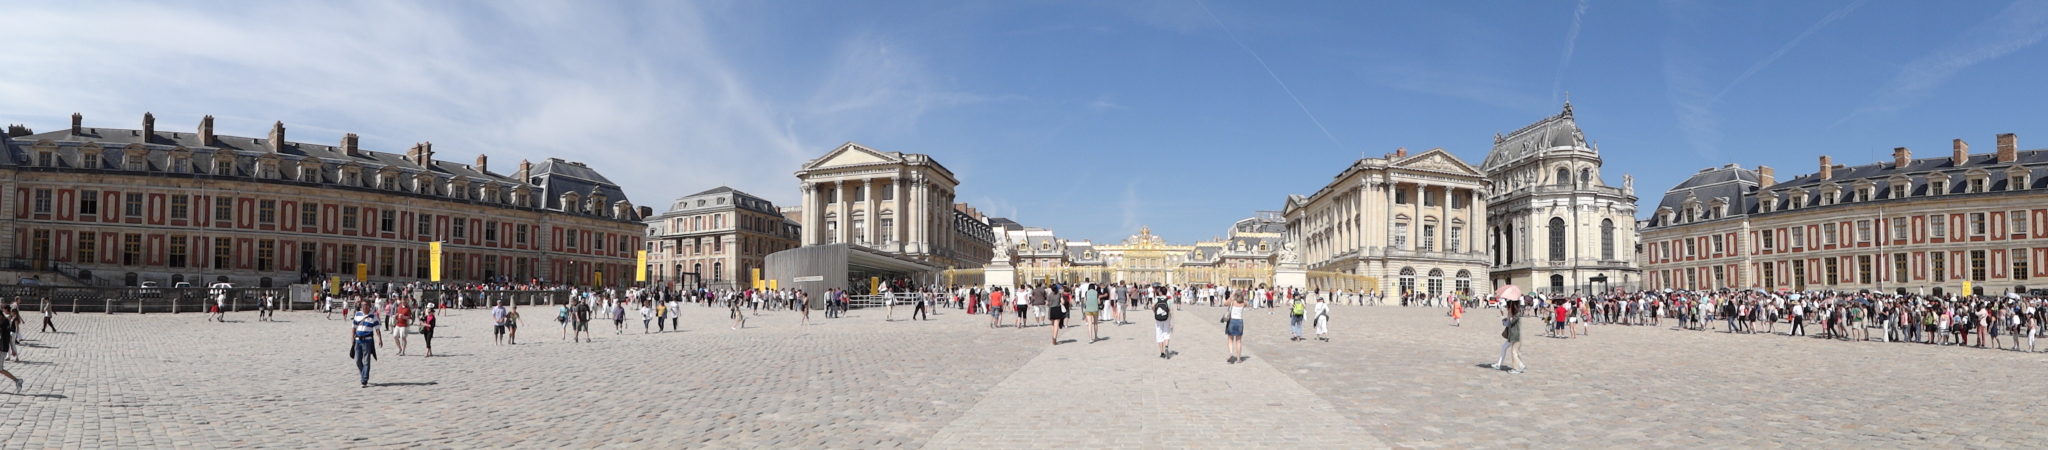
1508	292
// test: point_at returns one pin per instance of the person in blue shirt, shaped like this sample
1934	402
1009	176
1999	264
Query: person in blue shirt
363	334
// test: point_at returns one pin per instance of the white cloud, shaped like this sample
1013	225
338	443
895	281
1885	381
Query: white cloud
648	96
1571	44
2017	27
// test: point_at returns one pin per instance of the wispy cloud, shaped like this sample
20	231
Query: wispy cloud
617	89
2018	26
1468	85
1269	72
1571	44
1759	66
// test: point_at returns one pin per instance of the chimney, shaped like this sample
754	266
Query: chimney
1765	176
1401	152
483	163
1901	156
525	171
1827	168
2008	148
348	145
18	130
148	127
1962	154
426	154
206	132
77	124
277	137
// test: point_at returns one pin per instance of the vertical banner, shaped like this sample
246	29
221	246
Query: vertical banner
334	285
434	261
362	271
874	285
1966	288
771	285
640	258
756	274
600	278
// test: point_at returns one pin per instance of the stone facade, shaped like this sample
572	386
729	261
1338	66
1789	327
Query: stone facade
1410	222
716	238
1555	224
148	205
892	203
1913	224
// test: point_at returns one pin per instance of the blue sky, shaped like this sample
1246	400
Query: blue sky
1090	118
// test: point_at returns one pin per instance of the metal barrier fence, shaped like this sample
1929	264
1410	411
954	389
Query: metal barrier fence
142	300
452	298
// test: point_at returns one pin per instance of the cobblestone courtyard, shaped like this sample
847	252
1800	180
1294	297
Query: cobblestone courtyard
1391	377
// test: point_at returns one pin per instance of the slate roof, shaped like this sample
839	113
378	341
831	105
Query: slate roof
1555	131
1730	181
1740	186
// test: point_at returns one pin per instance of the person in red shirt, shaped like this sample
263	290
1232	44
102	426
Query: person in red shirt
995	307
1563	317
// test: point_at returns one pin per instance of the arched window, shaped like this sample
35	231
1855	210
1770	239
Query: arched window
1607	239
1436	282
718	271
1556	239
1557	284
1407	280
1564	177
1585	177
1464	286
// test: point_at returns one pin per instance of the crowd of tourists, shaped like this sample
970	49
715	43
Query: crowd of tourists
2009	322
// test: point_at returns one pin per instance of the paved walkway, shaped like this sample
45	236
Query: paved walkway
1391	377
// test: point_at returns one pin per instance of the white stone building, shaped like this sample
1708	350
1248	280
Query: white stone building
1557	226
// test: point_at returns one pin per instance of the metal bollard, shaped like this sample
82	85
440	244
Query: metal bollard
174	305
110	306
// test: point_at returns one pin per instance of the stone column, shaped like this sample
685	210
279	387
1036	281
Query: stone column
874	208
845	232
913	217
897	233
810	206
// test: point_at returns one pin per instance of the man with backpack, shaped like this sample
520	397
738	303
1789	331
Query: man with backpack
1294	316
1162	325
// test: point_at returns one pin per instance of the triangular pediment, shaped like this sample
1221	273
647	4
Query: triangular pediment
1437	160
851	154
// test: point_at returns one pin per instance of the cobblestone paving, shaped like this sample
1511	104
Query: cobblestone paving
1392	376
1408	377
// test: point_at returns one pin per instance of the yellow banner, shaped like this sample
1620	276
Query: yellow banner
434	261
640	272
771	285
362	272
1966	288
600	278
756	274
874	284
334	285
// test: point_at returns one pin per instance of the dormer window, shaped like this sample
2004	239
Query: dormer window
1937	187
134	160
1900	189
46	158
224	166
1864	194
1977	185
89	160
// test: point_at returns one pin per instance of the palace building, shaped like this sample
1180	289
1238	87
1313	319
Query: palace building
716	238
113	206
1554	224
871	214
1410	222
1913	224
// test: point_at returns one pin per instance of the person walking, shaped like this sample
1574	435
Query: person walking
1056	310
48	315
1457	314
739	317
917	312
498	324
618	313
562	318
1511	335
579	322
512	326
995	308
1322	315
1162	327
402	320
646	318
7	347
365	340
1091	310
427	330
1233	328
1296	312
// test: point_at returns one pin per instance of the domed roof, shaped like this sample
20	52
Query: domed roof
1555	131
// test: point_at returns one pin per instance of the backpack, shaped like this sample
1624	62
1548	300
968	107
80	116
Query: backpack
1160	312
1300	308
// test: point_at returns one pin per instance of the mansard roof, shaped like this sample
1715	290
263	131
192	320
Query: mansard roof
1560	130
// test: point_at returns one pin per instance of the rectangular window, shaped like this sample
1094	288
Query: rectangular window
1400	236
1827	233
132	205
1937	188
1428	237
88	248
348	258
1863	269
570	241
860	193
1770	275
1977	224
131	249
89	160
1451	241
1830	268
491	232
349	214
266	255
1938	263
44	199
266	212
1428	199
1977	266
831	195
177	252
89	203
888	230
1977	185
387	221
2019	264
309	216
223	168
1863	231
1718	244
46	159
459	227
597	242
1400	196
1899	267
519	234
223	209
223	255
426	226
2019	223
1937	226
181	207
1769	243
1899	229
1798	238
